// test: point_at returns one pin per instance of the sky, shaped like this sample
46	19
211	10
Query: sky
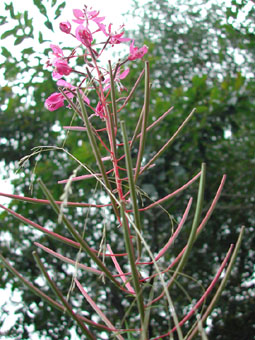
113	10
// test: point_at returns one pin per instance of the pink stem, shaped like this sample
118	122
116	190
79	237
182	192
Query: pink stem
79	178
97	309
42	201
170	195
119	270
173	237
51	233
204	296
199	229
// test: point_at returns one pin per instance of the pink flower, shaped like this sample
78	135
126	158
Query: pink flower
57	51
137	53
117	80
65	27
61	68
54	101
84	35
99	110
79	15
115	38
63	83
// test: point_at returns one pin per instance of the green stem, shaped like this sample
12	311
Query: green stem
96	152
195	223
145	120
131	184
131	257
169	142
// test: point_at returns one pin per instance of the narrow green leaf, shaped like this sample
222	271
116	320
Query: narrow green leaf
10	32
195	223
48	24
19	40
40	38
6	52
3	20
144	121
41	7
59	10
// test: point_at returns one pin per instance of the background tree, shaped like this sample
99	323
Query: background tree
201	56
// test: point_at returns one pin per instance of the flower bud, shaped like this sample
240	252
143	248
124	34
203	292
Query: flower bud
65	27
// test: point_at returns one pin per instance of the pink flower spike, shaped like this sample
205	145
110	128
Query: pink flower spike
54	101
65	27
84	35
137	53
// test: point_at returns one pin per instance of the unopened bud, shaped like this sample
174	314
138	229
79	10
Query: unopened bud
65	27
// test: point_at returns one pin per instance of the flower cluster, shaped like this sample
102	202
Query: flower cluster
89	24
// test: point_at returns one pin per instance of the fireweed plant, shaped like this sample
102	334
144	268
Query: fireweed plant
118	174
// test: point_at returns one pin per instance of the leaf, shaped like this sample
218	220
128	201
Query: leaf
59	9
6	52
28	50
40	38
11	10
10	32
41	7
19	40
48	24
53	3
3	20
